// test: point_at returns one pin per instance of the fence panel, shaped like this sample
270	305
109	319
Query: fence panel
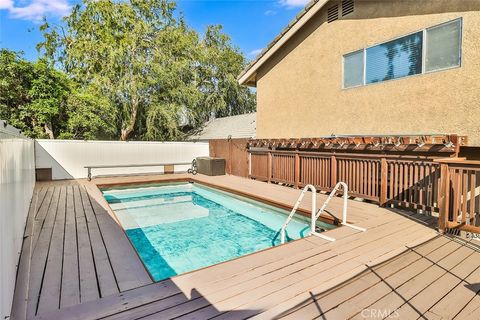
259	163
316	170
361	175
413	184
67	158
235	153
17	180
464	198
449	186
283	168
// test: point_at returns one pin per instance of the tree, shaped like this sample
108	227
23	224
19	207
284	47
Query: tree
46	103
90	115
150	66
15	78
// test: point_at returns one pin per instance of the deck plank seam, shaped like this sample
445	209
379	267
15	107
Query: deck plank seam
328	292
420	257
433	281
40	226
20	300
37	295
63	251
461	281
365	244
84	216
282	288
54	230
89	199
314	251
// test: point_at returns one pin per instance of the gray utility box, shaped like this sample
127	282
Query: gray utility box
211	166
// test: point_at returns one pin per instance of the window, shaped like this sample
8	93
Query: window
353	65
432	49
443	46
394	59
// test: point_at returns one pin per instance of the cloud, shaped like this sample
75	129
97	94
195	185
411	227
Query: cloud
293	3
270	12
5	4
36	9
255	52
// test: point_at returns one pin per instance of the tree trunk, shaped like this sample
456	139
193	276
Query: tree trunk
128	129
48	130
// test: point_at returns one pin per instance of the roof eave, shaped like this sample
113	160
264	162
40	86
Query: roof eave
248	76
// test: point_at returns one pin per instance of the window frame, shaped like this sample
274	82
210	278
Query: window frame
343	69
460	51
424	52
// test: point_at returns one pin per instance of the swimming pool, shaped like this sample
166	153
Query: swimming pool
180	227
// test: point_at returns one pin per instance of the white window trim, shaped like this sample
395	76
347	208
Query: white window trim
424	52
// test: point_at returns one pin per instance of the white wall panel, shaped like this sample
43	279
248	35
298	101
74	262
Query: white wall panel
67	158
17	180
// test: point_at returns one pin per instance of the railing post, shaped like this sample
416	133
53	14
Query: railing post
444	197
333	171
297	170
269	166
383	181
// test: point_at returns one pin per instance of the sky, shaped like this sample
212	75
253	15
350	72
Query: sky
251	24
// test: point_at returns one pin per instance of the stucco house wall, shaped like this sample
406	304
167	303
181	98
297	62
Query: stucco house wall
299	89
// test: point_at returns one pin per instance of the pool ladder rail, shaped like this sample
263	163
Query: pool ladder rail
316	214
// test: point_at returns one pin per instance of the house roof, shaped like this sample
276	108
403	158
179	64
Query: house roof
248	75
241	126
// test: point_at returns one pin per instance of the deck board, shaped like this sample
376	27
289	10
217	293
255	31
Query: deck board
51	286
81	264
70	291
86	265
40	252
105	276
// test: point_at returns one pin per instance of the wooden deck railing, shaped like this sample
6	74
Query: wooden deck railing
449	188
460	195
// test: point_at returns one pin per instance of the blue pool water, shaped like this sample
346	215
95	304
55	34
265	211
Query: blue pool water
177	228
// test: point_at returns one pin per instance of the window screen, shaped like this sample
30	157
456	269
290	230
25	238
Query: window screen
405	56
353	69
394	59
443	46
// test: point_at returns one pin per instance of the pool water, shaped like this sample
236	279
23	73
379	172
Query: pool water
177	228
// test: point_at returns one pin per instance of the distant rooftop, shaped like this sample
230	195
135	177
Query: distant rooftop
241	126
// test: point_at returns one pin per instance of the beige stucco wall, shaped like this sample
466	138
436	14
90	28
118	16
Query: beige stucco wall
299	90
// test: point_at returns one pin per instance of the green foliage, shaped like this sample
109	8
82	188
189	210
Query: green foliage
15	77
150	67
91	116
45	103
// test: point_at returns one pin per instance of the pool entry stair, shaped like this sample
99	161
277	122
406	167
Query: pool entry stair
316	214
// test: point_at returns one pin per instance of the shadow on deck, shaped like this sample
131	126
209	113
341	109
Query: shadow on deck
77	263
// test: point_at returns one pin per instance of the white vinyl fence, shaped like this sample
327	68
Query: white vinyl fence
68	158
17	180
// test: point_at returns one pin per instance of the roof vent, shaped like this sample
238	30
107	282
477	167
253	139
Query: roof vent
347	7
332	13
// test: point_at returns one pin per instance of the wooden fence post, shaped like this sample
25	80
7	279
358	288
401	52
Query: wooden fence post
444	197
269	166
383	181
333	171
230	158
297	170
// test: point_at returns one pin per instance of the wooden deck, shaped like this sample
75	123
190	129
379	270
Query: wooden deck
77	263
